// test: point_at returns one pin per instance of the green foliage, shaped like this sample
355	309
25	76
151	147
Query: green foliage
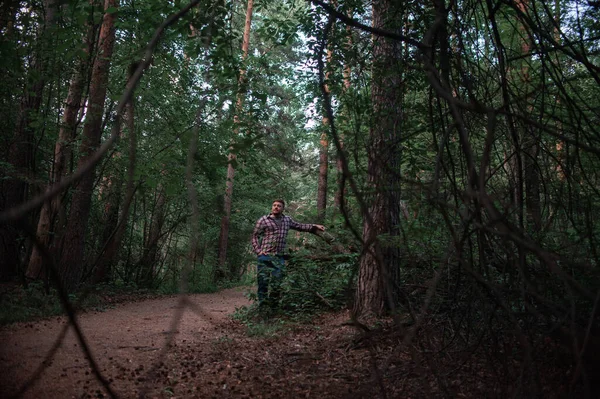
37	302
314	281
505	88
314	285
24	304
259	322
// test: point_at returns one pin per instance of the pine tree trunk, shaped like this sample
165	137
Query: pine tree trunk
323	169
379	266
111	198
73	242
561	166
46	231
114	233
530	139
340	192
324	155
226	219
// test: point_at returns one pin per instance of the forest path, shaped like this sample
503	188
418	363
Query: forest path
131	334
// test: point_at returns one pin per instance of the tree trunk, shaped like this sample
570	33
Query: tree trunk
561	166
379	265
323	168
20	155
73	242
150	258
111	198
226	219
114	234
340	193
324	154
530	140
46	232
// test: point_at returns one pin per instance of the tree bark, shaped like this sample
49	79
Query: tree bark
150	258
111	198
73	242
114	233
379	265
323	169
530	140
46	232
561	168
340	193
226	219
324	155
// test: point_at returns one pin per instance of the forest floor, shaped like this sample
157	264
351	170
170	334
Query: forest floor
168	348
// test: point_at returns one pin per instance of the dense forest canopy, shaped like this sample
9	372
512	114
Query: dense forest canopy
450	147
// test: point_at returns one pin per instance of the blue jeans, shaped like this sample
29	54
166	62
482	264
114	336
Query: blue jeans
270	274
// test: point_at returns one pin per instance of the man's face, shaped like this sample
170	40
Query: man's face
277	208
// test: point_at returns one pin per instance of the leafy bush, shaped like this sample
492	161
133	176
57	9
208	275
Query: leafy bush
34	301
316	283
312	283
20	304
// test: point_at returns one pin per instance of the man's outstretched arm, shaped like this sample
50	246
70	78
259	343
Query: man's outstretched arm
313	228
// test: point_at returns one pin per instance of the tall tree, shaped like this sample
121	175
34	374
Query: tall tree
226	219
147	267
116	216
340	192
380	259
324	153
46	231
530	137
21	150
73	241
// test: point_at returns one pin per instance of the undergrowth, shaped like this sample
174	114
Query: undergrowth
33	302
310	287
36	301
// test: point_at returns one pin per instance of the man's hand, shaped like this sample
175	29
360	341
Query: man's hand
318	227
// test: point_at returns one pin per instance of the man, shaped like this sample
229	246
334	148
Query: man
268	242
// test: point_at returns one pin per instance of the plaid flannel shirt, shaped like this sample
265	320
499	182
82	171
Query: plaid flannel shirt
274	235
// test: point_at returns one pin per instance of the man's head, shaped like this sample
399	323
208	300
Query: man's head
277	207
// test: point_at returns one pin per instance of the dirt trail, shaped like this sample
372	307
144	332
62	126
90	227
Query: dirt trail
132	335
214	356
